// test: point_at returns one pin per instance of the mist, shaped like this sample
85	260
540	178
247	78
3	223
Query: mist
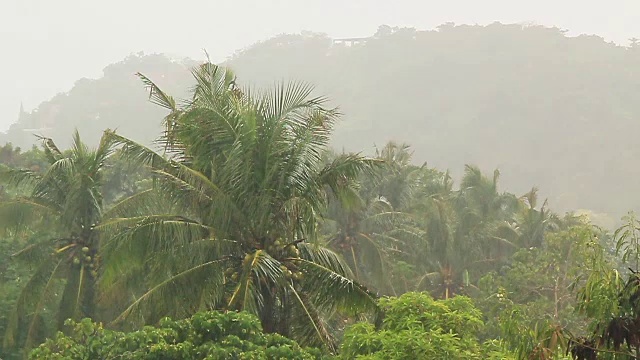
78	38
319	180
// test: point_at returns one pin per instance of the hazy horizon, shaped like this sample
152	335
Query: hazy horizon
49	46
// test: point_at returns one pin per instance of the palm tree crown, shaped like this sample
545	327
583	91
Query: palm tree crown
59	210
243	186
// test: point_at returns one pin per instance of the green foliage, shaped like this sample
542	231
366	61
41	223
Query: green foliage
370	226
56	210
238	200
53	203
246	209
206	335
548	327
628	241
533	300
611	303
419	327
13	275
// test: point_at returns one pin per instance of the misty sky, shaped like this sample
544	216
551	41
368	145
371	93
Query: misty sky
48	45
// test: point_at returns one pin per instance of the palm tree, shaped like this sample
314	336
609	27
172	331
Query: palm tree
59	210
371	232
367	235
398	175
485	216
467	230
533	224
243	187
442	254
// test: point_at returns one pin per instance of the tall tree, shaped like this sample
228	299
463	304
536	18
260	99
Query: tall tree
58	210
533	223
244	185
484	219
439	260
373	231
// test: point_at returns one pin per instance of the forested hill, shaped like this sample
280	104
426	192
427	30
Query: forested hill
558	112
117	100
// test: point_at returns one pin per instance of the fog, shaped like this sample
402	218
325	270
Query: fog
47	45
323	180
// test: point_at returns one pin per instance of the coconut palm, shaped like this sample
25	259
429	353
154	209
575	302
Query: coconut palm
397	177
57	209
371	233
467	230
368	235
532	223
243	186
443	256
485	217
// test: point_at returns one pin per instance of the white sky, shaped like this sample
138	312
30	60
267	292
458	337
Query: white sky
46	45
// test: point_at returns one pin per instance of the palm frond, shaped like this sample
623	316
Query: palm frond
193	189
212	82
51	151
20	212
143	202
308	326
375	256
53	184
156	95
345	168
257	267
156	232
39	290
136	153
18	177
176	289
324	257
37	250
331	291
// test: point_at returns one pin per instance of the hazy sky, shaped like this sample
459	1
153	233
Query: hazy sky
47	45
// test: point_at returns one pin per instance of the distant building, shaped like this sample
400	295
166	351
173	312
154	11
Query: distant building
22	115
27	122
349	41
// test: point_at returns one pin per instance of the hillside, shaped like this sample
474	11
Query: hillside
548	110
117	100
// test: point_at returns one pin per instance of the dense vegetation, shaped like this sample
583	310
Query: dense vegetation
203	336
241	223
418	327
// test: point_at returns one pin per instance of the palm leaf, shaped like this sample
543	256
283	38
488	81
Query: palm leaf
324	257
179	286
308	325
37	292
18	177
157	232
136	153
20	212
143	202
257	267
332	291
157	96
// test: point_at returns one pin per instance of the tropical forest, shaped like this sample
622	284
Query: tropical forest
409	195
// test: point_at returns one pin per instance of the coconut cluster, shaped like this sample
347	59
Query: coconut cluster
287	254
84	259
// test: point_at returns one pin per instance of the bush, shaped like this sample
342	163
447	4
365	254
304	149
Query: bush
416	326
206	335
